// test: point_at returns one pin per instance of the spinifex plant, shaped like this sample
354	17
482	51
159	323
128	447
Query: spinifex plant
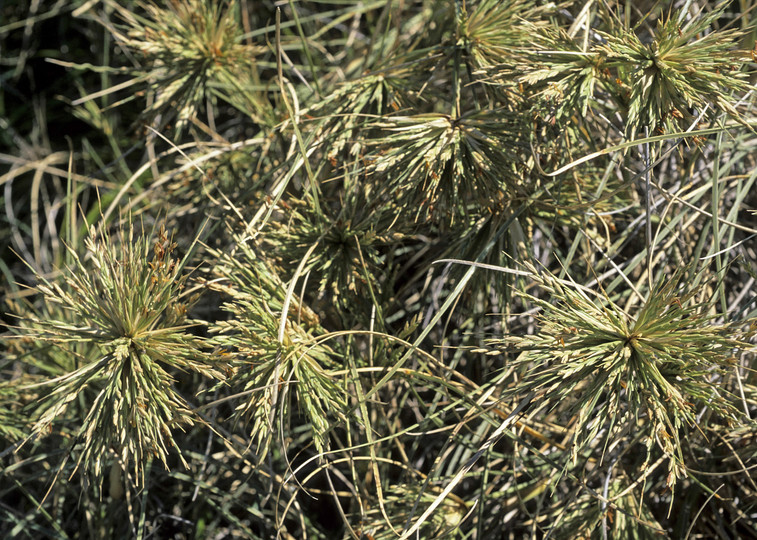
347	246
350	155
657	83
685	67
281	363
650	372
192	52
441	164
119	326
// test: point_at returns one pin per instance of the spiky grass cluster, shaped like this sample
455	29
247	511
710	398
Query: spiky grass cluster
563	74
651	372
661	81
438	162
281	361
490	31
685	67
118	324
382	181
192	51
346	244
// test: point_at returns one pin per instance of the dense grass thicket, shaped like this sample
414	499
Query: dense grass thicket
465	269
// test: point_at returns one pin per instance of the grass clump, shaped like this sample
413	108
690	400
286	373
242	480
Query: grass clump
614	372
469	269
117	319
190	52
278	351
